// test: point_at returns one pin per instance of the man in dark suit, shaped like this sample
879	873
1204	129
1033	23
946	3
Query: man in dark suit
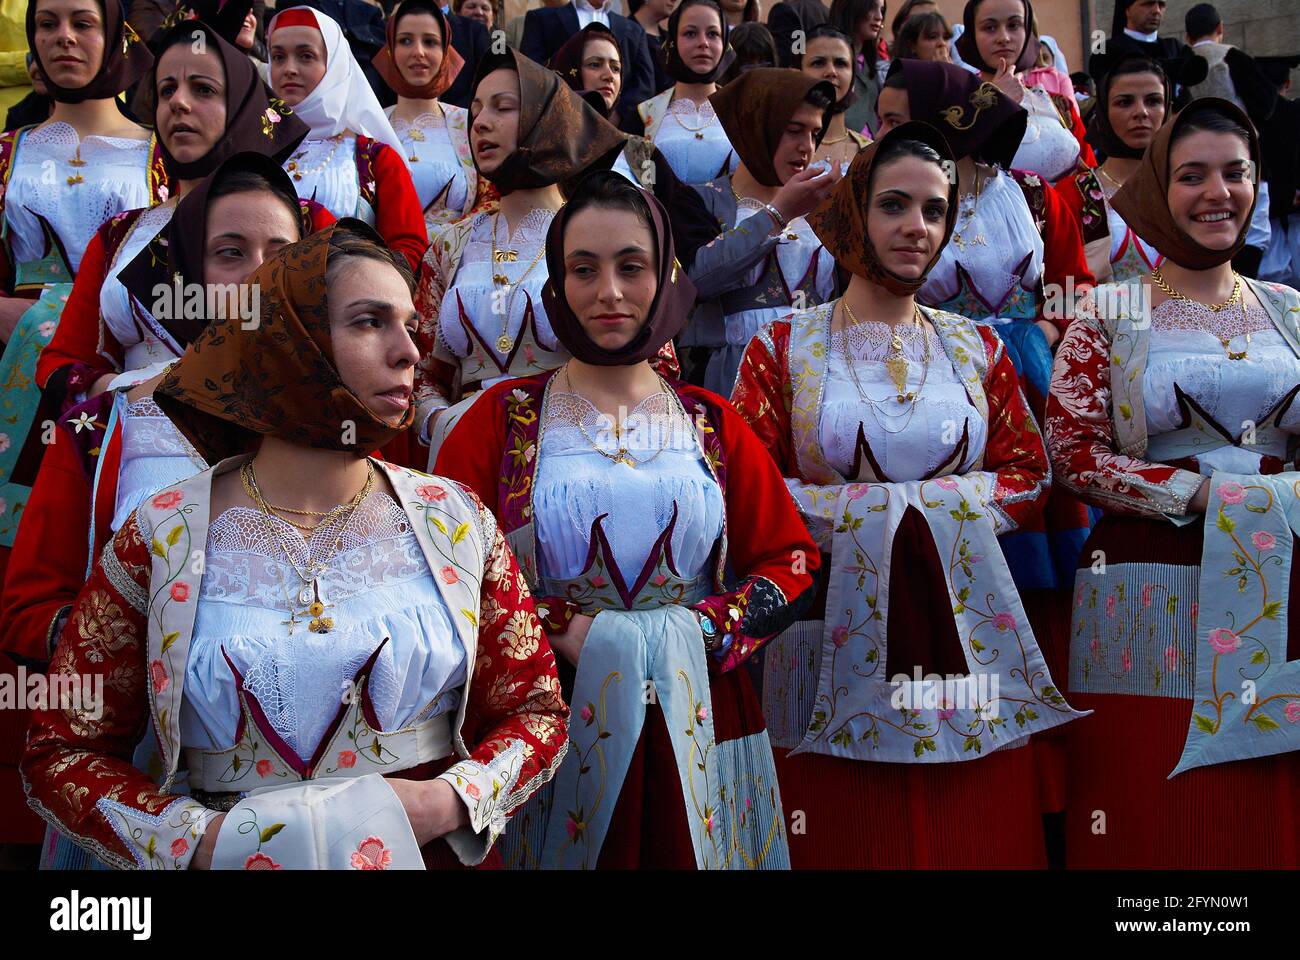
472	41
547	28
791	15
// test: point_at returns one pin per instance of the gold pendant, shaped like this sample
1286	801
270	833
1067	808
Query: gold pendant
501	279
896	367
699	135
321	625
73	181
505	256
1232	355
417	135
76	162
504	343
626	460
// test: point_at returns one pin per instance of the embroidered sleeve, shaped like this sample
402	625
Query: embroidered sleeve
744	619
437	372
762	392
515	713
77	767
1080	439
1015	453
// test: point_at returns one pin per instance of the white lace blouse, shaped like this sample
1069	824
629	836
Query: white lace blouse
46	184
436	171
326	171
381	590
1186	355
1048	148
574	485
693	142
908	443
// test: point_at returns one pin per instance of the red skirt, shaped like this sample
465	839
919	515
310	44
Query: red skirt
1123	812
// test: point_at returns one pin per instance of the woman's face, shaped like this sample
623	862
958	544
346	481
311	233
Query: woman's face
909	207
417	50
892	107
1210	187
69	41
798	141
248	32
870	25
602	69
494	132
830	59
699	39
610	274
1000	31
372	330
933	45
191	112
297	62
1136	105
243	230
480	10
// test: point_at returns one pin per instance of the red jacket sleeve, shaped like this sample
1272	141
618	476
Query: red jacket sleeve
48	565
762	394
1063	256
398	215
76	341
1015	452
474	450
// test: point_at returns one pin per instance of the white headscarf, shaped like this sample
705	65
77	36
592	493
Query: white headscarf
343	100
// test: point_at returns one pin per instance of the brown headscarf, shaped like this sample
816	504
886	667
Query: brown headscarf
975	117
755	108
675	66
969	50
559	134
674	297
278	379
452	61
841	221
126	58
567	63
1101	135
1143	201
249	108
177	250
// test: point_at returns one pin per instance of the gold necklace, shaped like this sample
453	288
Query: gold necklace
979	239
1102	171
505	342
1158	279
296	170
623	455
896	366
313	604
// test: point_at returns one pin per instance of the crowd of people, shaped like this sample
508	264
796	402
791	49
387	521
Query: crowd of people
694	437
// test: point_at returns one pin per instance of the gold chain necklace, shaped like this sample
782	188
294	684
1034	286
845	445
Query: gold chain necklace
1102	171
309	596
1158	279
505	342
296	170
623	455
896	366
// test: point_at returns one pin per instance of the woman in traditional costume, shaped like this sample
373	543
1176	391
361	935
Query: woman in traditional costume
370	624
1133	100
628	526
829	57
766	260
1172	408
681	121
590	63
998	41
59	181
419	63
352	162
481	313
901	719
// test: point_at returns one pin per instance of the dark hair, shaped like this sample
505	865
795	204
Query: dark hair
407	7
820	32
1201	21
687	4
754	46
227	183
818	98
346	244
895	149
905	13
916	27
606	190
1134	65
1205	117
847	14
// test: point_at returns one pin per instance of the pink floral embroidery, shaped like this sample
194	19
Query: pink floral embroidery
1224	640
1196	609
158	672
180	592
1171	658
659	580
948	483
947	711
856	491
1292	712
371	854
702	714
1004	621
1231	492
347	759
1147	590
1126	660
260	861
449	575
472	790
571	827
431	492
264	768
840	636
1095	647
1110	606
586	714
165	501
598	581
1263	540
180	846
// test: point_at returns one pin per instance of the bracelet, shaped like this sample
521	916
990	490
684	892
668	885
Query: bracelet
779	220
